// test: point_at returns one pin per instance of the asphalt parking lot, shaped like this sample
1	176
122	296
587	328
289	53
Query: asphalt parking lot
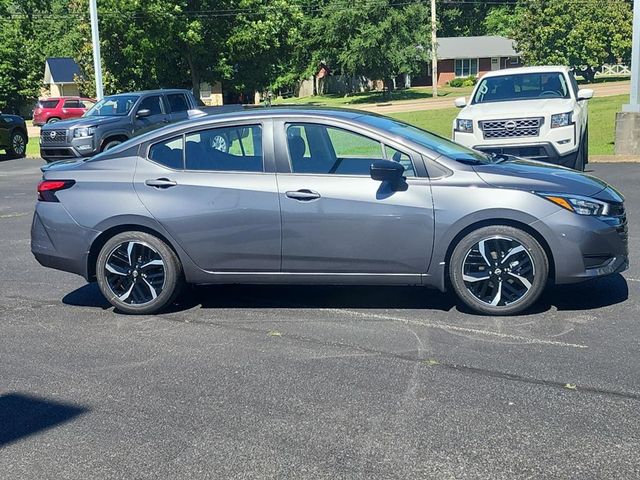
313	382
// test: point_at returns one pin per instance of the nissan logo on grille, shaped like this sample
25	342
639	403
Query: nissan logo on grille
510	126
53	134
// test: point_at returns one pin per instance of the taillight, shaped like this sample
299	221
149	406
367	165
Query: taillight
47	189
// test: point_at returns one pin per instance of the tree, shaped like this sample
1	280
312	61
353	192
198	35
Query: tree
378	40
583	35
502	21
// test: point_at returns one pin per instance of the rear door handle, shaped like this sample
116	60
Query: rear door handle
303	195
161	183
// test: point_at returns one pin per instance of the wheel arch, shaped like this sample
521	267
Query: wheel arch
113	136
507	222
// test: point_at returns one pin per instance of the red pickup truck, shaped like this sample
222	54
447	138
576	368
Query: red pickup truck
49	110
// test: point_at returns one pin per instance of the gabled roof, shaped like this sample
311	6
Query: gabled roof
475	47
61	70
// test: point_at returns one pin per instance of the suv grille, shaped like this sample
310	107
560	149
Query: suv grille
53	137
511	128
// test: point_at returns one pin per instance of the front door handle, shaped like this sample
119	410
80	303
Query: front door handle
303	195
161	183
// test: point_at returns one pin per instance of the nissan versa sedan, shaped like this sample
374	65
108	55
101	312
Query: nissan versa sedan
322	197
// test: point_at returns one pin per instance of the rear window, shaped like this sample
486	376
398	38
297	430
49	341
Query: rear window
48	103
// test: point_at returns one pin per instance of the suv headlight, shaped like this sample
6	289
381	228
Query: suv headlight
83	132
561	120
578	204
463	125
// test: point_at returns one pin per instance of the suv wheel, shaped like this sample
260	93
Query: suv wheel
138	273
17	144
498	270
110	144
583	153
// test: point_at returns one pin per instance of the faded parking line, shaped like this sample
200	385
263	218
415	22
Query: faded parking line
454	328
14	215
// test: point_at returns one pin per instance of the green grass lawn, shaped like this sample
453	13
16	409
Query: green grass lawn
602	120
336	100
33	147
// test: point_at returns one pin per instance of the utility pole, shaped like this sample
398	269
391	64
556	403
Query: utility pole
434	44
628	121
95	40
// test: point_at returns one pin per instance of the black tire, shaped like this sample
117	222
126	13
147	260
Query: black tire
129	281
478	278
17	144
110	144
53	120
583	153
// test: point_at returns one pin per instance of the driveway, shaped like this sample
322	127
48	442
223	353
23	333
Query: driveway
312	382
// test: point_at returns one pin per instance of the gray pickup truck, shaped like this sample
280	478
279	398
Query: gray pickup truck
113	120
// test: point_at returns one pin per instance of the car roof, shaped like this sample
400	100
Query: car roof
147	92
521	70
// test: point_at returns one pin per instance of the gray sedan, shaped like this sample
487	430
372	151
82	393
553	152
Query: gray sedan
322	197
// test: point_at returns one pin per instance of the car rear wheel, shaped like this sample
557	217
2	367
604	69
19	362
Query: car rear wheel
138	273
17	144
498	270
53	120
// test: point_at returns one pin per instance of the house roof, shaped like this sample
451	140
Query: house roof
61	70
475	47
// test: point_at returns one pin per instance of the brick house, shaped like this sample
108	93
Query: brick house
461	57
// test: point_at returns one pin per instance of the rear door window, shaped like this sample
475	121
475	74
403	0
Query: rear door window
168	153
72	104
177	102
225	149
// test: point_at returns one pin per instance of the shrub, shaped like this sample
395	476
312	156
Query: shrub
463	82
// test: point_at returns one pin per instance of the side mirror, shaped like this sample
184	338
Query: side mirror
460	102
387	171
145	112
585	94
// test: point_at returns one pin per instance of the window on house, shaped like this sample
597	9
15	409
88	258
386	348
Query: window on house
466	67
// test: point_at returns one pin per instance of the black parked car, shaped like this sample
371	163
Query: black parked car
13	135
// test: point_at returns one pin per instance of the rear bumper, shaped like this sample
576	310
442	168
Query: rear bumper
57	241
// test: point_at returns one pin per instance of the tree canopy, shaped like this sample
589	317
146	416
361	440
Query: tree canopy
584	35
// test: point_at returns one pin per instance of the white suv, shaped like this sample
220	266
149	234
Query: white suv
531	112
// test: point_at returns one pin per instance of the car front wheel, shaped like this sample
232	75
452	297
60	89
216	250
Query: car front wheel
498	270
138	273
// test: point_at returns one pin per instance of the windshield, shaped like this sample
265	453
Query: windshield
429	140
524	86
116	106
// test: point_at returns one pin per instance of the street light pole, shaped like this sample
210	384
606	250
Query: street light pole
434	56
634	103
628	120
95	40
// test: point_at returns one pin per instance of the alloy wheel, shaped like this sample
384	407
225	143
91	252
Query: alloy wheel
135	273
498	271
18	144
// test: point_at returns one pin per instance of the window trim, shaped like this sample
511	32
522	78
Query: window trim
383	143
163	107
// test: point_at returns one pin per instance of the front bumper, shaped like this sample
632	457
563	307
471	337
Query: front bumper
585	247
73	148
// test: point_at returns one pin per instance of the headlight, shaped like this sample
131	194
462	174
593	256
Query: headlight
83	132
561	120
464	125
578	204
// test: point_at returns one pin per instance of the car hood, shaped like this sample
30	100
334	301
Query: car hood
518	109
81	122
530	175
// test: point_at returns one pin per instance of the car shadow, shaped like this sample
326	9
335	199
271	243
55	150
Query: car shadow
23	415
589	295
